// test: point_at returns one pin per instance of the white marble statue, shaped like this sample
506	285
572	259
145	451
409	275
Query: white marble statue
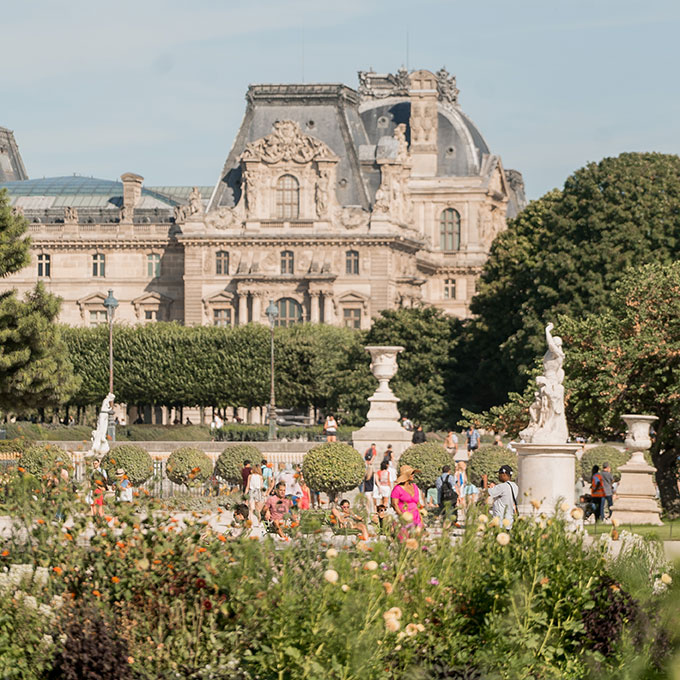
100	444
548	423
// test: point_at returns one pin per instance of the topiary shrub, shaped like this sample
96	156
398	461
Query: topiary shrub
189	466
230	463
38	459
11	448
486	460
333	468
429	458
135	460
599	455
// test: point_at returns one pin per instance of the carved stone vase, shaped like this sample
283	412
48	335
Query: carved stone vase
636	501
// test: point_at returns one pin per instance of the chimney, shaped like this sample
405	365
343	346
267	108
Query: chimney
423	123
132	191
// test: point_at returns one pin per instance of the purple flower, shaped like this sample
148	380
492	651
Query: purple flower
434	582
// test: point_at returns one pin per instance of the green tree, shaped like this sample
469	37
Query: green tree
429	338
564	254
14	245
626	359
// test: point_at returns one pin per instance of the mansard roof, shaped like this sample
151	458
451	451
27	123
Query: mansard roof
11	165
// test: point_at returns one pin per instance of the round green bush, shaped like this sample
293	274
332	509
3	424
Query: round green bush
429	458
230	463
13	447
38	459
486	460
189	466
599	455
333	468
135	460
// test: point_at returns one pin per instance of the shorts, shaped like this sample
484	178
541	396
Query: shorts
381	491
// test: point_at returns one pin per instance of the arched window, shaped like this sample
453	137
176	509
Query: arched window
44	265
352	262
449	230
287	262
290	312
153	265
221	262
287	198
98	265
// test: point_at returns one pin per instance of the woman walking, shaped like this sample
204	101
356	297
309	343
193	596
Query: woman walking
382	483
405	495
255	490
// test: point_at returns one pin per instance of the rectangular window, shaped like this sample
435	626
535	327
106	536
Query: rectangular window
222	262
98	265
352	262
153	265
450	289
287	262
351	317
97	316
221	317
44	266
150	315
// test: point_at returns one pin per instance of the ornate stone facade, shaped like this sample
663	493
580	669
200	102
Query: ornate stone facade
334	203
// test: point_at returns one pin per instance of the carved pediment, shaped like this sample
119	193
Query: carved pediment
151	298
287	143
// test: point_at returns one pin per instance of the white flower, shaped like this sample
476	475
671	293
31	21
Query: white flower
371	566
494	522
507	522
503	538
394	613
331	553
47	639
411	629
344	587
483	519
577	514
407	517
564	506
331	575
666	579
392	624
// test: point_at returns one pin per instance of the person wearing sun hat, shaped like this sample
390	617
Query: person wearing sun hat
504	495
405	495
124	486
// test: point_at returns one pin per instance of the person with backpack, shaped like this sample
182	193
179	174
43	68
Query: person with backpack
597	492
447	498
504	496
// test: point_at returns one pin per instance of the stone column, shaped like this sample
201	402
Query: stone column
314	306
327	307
257	308
242	308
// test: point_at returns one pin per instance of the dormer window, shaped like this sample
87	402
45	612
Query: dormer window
449	230
287	198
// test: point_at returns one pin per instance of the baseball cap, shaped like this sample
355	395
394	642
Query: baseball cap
505	469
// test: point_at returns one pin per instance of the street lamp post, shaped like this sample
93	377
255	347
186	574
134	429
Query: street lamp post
272	312
110	304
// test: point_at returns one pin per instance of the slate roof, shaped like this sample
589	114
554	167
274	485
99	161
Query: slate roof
11	165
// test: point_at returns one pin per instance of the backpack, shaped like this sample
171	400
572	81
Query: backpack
447	491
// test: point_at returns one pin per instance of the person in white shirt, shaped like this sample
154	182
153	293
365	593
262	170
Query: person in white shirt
289	478
504	496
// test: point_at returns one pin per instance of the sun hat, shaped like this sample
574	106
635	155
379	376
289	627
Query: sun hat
405	472
505	469
120	472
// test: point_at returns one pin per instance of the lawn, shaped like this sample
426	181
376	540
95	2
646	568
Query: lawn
670	531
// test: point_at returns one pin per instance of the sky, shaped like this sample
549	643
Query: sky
157	87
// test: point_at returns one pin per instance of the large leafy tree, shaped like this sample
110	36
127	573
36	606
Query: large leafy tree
34	368
564	254
627	360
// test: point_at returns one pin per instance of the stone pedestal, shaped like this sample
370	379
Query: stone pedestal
635	495
382	427
547	473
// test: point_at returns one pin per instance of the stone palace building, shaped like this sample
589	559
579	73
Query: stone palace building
335	203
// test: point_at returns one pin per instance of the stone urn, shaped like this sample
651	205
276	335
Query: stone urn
384	365
637	434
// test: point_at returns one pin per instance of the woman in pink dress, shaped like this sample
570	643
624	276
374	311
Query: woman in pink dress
405	495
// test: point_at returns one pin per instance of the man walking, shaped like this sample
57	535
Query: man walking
608	484
472	439
447	498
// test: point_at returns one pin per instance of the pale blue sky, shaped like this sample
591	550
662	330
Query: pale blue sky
157	86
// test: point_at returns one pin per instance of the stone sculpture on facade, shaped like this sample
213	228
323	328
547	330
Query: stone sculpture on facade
548	420
446	87
99	442
70	214
287	143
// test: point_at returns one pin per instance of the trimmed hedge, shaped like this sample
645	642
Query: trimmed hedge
9	448
38	459
135	460
429	458
486	460
599	455
189	466
230	463
333	467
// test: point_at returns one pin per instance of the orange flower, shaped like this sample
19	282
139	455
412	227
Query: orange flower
21	469
4	553
220	537
115	579
156	561
40	521
68	537
96	593
201	550
120	544
108	519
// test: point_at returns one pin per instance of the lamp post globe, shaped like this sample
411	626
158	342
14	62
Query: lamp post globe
110	304
272	313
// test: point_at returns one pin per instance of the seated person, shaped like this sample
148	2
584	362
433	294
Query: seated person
277	507
347	520
380	518
240	522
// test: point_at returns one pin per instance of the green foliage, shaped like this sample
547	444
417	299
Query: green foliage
38	459
14	246
429	458
626	359
135	460
333	468
564	254
230	462
189	466
429	338
35	371
10	447
486	460
599	455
